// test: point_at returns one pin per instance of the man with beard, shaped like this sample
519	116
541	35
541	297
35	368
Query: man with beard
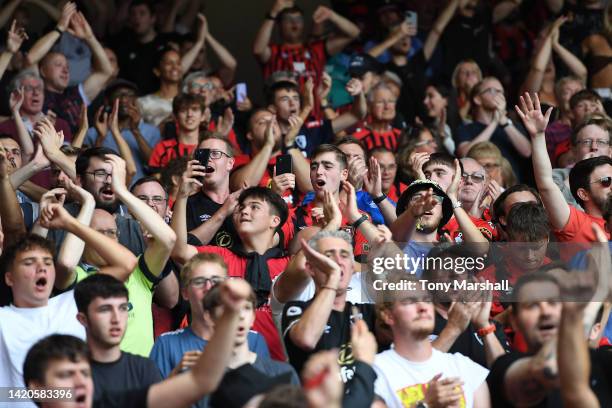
429	378
532	378
590	182
475	193
258	168
95	175
424	208
306	60
139	135
103	305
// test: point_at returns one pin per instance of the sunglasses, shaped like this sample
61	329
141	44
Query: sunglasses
604	181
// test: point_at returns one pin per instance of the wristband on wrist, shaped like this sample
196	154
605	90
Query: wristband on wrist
379	199
486	330
269	16
329	287
59	30
360	221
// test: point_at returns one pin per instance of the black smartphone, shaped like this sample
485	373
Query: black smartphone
202	155
284	164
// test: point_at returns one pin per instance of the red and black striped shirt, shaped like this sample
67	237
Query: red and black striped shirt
372	139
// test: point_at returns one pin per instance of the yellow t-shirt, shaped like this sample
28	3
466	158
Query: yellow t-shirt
138	337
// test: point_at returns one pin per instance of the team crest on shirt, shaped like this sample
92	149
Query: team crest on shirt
349	230
223	239
301	141
293	311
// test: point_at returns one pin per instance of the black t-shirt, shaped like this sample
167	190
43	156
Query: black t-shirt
468	343
129	373
200	208
124	399
337	334
314	133
413	86
600	380
136	60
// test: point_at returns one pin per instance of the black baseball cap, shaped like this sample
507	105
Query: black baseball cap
120	83
360	64
420	185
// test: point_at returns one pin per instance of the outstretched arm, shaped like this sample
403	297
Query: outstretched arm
359	111
348	30
13	225
535	122
160	236
102	68
204	377
190	56
394	36
7	11
14	38
72	248
439	26
569	59
227	70
261	45
44	43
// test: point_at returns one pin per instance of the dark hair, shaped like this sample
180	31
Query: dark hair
607	215
353	140
580	175
159	55
528	220
53	347
212	299
289	10
208	135
329	148
498	204
26	243
453	118
584	95
540	276
148	179
601	121
280	86
147	3
82	161
175	167
278	206
285	396
70	150
185	100
443	159
98	285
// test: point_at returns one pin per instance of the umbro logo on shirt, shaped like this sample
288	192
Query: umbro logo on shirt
294	311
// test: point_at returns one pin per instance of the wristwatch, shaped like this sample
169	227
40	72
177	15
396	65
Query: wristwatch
457	204
422	404
508	123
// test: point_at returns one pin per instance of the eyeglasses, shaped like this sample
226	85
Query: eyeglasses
155	199
112	233
589	143
200	282
493	91
476	178
29	88
417	197
604	181
207	86
100	175
425	142
217	154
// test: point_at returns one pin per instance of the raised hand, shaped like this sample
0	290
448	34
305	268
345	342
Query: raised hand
79	27
54	196
363	342
15	37
226	122
452	190
295	124
555	27
321	14
234	292
372	181
357	171
230	204
420	205
280	5
324	86
416	162
67	12
188	360
308	94
49	138
354	87
203	27
101	122
119	172
270	134
350	209
16	100
331	212
6	167
322	384
282	183
54	216
530	113
320	262
113	119
189	182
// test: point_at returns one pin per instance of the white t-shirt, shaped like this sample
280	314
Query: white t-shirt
401	383
20	328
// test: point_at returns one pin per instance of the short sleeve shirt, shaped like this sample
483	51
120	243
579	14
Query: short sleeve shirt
166	151
200	208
